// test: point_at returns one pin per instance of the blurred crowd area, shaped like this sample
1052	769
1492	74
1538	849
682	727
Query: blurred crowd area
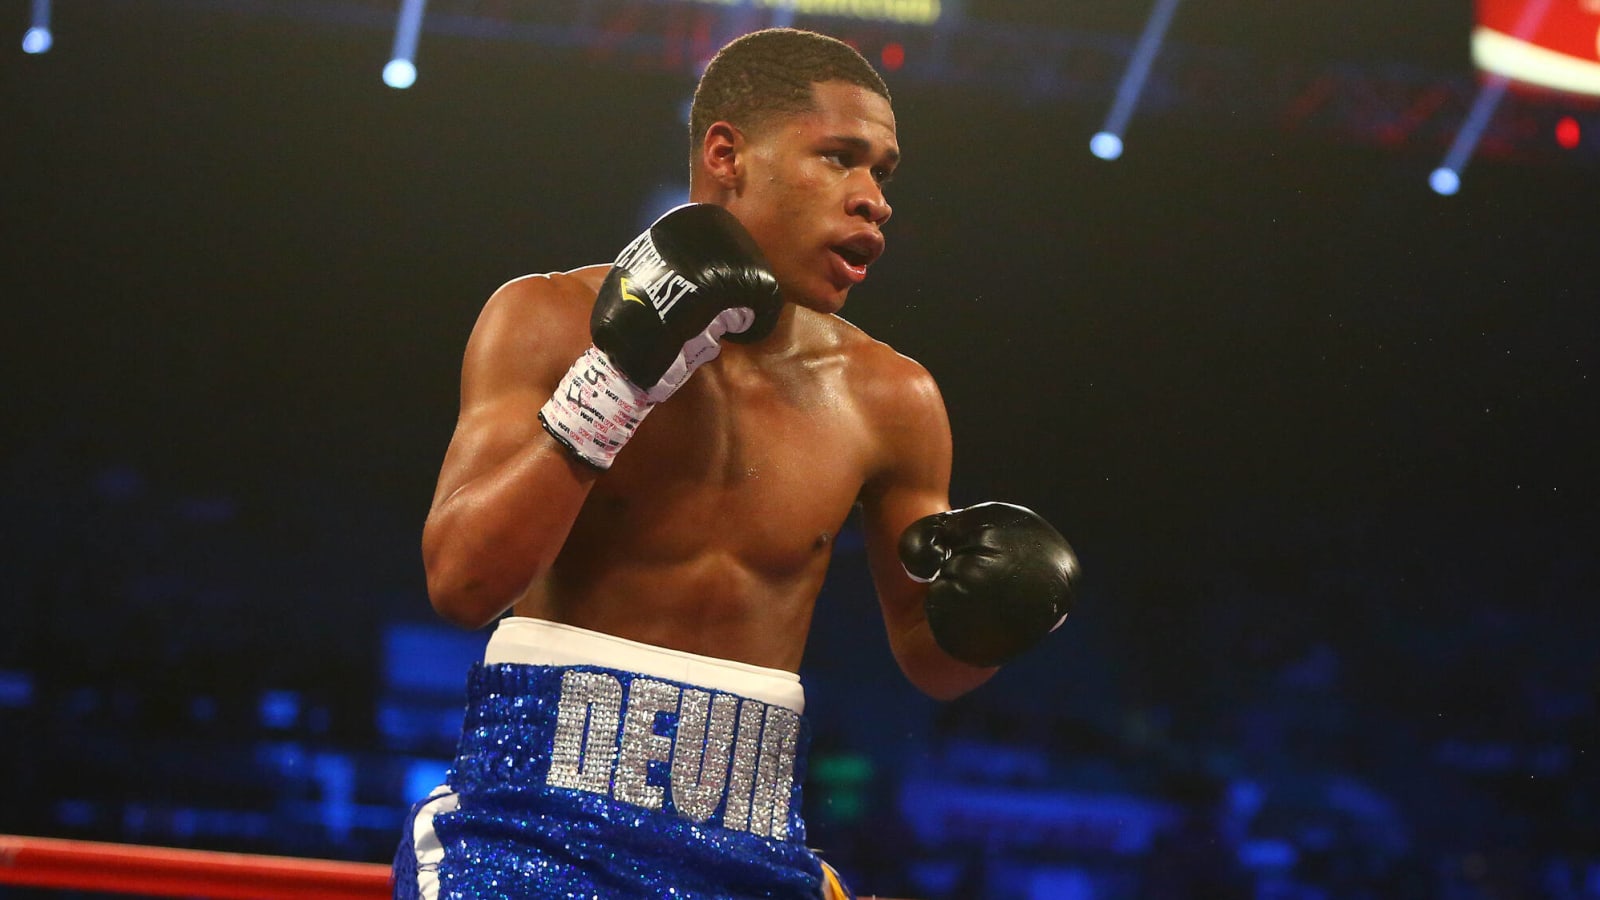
1369	708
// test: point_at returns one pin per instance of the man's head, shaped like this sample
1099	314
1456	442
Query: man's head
794	134
769	74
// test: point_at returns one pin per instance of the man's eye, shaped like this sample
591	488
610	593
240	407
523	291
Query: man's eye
882	176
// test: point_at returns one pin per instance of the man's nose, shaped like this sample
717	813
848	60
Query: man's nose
870	204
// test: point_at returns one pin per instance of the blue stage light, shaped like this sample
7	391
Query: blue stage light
400	74
37	40
1106	145
422	776
279	709
1133	79
1446	179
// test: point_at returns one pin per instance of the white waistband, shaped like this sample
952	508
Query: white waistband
538	642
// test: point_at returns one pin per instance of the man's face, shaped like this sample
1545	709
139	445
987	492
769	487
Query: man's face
812	195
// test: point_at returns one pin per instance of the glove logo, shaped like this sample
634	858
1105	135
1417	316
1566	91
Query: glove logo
627	291
661	282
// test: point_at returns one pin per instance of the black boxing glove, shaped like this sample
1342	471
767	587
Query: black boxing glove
693	278
999	579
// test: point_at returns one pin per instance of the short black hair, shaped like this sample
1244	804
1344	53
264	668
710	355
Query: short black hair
769	73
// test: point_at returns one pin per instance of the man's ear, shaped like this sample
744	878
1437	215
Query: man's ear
722	155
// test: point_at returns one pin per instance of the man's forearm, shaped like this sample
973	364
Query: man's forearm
485	542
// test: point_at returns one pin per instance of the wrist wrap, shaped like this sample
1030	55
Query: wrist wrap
595	409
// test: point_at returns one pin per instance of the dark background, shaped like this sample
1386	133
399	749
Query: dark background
1325	442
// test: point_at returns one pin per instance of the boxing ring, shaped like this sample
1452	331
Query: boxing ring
165	872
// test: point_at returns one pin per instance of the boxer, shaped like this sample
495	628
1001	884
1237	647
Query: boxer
652	460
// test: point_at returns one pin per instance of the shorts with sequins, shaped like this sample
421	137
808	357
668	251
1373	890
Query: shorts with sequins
591	766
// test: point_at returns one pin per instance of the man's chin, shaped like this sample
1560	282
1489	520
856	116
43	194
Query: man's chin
824	299
826	305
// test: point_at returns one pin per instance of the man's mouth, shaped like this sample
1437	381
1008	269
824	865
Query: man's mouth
858	252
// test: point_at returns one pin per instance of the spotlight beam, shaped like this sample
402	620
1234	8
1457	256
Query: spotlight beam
38	37
401	71
1446	179
1108	143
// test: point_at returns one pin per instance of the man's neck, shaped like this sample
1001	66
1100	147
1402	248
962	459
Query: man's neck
797	331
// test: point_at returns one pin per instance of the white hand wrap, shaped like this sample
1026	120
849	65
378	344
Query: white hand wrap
595	409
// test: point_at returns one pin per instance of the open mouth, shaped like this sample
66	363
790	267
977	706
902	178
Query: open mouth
857	253
855	257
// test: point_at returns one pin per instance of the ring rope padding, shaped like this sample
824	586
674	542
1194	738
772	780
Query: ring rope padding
169	872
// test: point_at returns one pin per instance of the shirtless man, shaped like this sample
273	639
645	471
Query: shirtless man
650	465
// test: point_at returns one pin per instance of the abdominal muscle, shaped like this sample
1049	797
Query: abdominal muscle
713	605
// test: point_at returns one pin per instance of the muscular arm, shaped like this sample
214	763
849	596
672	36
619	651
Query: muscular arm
913	481
508	493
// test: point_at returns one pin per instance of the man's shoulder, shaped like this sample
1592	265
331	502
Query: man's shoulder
536	320
902	408
545	300
575	287
862	348
883	376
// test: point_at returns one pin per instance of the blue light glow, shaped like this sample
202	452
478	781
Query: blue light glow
37	40
1106	145
1133	79
422	776
16	689
1445	181
663	198
279	709
400	74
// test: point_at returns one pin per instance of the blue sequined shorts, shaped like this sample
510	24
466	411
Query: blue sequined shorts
591	781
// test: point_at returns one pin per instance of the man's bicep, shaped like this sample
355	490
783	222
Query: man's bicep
914	469
486	435
914	481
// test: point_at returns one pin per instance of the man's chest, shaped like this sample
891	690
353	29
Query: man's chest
767	473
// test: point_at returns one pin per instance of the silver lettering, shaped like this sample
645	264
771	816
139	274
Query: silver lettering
584	749
769	813
725	752
700	753
746	758
640	743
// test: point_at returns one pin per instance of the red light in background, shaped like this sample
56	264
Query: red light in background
1568	133
893	56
